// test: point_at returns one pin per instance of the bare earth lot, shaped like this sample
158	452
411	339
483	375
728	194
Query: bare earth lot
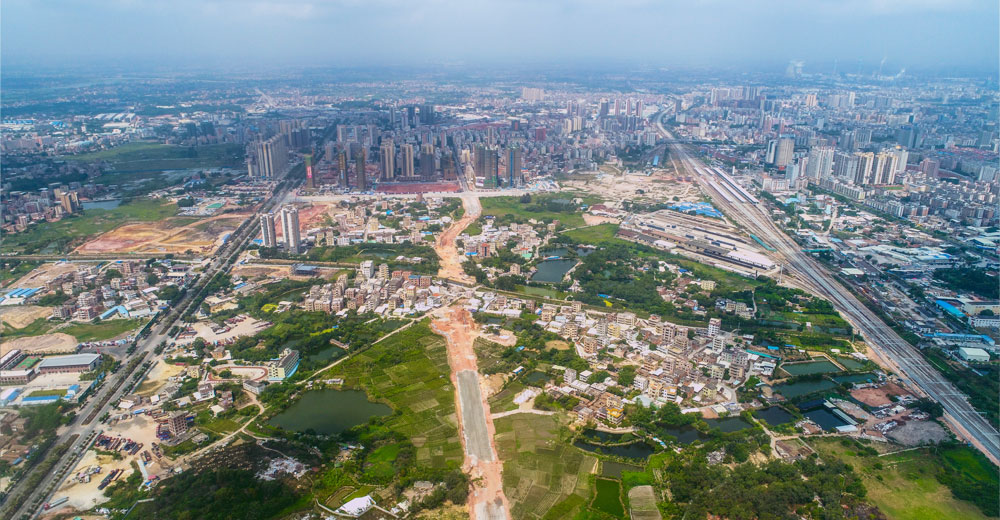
20	316
57	342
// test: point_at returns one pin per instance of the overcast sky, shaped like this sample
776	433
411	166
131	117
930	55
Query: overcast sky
916	34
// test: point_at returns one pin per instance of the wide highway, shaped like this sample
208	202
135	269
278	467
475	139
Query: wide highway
886	343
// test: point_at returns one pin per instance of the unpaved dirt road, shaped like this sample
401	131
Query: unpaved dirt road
451	259
475	424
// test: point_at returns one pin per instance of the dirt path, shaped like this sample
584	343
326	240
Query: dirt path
451	260
475	424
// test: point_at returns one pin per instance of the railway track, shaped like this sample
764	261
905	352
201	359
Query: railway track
883	340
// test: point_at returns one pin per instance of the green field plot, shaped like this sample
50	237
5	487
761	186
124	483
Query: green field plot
475	228
64	235
593	234
503	400
410	372
608	498
489	356
544	476
911	485
541	208
101	331
156	156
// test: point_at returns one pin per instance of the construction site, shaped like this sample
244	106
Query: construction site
615	186
176	235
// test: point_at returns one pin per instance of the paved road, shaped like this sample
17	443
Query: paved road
879	336
98	405
477	439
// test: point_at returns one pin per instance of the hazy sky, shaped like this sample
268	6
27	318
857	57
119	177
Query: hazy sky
916	34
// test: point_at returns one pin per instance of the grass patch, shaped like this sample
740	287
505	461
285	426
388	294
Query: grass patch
379	465
35	328
101	331
64	235
219	425
593	234
538	209
906	485
475	228
544	476
48	393
489	355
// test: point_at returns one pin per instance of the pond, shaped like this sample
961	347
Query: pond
606	437
562	251
536	378
552	271
851	364
803	388
329	412
101	204
636	450
728	424
825	418
681	434
328	354
774	415
810	367
866	377
610	468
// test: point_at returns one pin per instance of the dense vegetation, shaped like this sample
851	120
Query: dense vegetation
309	332
982	385
969	279
222	494
379	253
774	490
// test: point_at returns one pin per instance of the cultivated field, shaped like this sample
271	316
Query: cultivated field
543	475
410	372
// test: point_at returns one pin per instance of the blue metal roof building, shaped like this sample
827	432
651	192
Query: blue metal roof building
949	308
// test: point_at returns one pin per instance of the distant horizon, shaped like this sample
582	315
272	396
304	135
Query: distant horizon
125	67
921	36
